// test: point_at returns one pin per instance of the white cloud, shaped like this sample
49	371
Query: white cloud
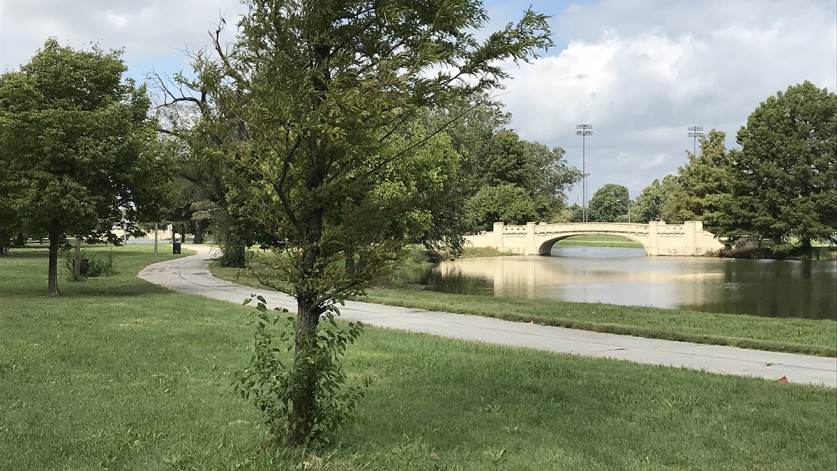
154	33
642	71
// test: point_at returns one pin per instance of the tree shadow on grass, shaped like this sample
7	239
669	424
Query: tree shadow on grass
23	274
70	289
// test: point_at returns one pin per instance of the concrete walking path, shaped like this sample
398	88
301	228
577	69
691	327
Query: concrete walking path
191	275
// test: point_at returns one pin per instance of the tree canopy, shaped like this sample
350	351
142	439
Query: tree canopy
534	176
784	180
609	202
701	192
80	145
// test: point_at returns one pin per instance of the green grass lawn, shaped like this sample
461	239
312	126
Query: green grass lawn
808	336
119	374
599	240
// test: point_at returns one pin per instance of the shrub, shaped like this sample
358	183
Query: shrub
273	376
93	264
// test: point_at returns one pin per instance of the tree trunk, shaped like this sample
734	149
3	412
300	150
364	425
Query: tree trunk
54	245
183	235
20	240
351	267
5	241
200	232
805	242
304	396
77	260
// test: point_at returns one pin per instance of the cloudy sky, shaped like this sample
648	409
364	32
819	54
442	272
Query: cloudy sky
639	71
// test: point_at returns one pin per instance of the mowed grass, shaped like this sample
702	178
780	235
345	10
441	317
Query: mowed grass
806	336
599	240
120	374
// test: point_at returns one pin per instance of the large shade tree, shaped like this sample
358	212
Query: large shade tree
609	202
784	179
505	202
81	144
515	175
702	190
326	91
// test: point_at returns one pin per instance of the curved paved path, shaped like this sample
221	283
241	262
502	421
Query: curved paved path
191	275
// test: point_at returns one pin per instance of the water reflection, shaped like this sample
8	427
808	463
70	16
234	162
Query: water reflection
626	276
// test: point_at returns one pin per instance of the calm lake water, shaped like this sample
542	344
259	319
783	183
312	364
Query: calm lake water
767	288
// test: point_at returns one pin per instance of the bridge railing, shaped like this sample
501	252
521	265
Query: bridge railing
607	227
509	229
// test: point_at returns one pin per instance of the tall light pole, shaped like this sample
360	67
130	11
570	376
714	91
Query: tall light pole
694	133
583	130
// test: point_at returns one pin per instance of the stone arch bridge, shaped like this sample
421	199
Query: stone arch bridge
657	237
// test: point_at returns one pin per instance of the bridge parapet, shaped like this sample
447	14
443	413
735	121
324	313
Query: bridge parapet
509	229
597	227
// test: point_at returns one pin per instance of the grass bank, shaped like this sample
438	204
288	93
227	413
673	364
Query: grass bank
822	253
807	336
120	374
598	241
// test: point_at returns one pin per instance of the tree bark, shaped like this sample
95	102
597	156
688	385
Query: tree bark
200	232
77	260
351	266
304	396
54	246
5	241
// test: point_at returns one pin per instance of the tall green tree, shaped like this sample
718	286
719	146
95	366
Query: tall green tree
703	191
550	179
672	201
541	173
784	179
649	203
609	202
8	218
505	202
471	124
79	136
324	88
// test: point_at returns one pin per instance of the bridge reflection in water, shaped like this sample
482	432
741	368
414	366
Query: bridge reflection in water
626	276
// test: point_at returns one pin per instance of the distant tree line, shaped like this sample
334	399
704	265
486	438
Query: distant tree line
781	186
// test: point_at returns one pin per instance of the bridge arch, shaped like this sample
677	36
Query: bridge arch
546	243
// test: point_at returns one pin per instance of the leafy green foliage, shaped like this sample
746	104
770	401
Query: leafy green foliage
506	202
92	166
659	201
649	202
271	378
609	202
701	192
93	263
784	179
509	162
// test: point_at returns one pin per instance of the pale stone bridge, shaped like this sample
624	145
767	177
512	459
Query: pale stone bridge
657	237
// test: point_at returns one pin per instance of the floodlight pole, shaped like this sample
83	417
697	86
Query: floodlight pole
694	133
583	130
